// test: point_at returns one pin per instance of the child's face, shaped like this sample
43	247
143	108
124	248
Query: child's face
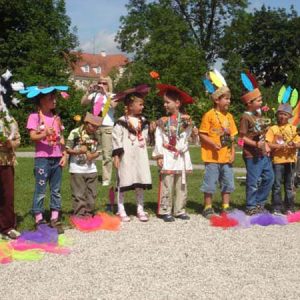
282	117
136	107
171	106
48	101
255	104
90	128
223	102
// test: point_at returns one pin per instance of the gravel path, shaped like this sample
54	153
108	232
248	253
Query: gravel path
155	260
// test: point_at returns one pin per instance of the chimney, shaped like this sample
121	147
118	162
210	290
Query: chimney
103	53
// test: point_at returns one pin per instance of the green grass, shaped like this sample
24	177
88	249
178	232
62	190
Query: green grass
24	188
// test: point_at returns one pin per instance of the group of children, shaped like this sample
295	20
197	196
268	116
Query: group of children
217	134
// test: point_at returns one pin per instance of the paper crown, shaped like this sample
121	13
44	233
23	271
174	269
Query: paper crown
251	86
33	91
184	97
142	89
215	84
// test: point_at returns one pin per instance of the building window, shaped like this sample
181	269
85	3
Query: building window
97	70
86	69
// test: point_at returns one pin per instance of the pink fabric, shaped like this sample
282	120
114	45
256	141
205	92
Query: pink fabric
54	214
98	105
42	148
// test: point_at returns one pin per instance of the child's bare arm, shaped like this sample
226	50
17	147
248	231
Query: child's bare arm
205	138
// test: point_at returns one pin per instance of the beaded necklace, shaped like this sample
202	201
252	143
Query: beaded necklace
173	134
225	130
137	130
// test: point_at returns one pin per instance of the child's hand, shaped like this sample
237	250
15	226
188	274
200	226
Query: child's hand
160	162
63	161
8	144
216	147
117	162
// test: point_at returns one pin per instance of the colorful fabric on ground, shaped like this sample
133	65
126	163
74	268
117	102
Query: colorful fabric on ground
32	245
238	218
100	221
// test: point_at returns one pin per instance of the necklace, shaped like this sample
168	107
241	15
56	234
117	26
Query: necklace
225	130
285	135
173	126
51	138
137	130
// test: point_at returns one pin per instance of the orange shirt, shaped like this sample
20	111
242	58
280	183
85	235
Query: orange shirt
215	123
283	134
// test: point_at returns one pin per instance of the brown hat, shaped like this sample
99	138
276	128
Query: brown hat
142	89
286	108
184	97
219	92
250	96
95	120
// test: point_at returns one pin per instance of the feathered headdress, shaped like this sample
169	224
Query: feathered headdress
287	99
33	91
251	86
215	84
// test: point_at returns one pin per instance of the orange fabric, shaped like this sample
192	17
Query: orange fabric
251	95
110	222
288	133
212	126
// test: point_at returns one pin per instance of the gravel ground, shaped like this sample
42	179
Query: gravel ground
155	260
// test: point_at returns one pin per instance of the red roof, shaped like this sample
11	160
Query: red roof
106	63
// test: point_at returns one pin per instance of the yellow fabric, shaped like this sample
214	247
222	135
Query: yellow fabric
288	133
212	123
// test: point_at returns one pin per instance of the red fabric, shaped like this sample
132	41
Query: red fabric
185	98
223	221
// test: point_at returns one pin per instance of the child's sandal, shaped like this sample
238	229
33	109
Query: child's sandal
123	217
143	216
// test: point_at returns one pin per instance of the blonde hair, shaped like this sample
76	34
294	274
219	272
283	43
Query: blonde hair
109	82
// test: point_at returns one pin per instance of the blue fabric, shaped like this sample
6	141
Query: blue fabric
218	173
284	173
47	170
259	180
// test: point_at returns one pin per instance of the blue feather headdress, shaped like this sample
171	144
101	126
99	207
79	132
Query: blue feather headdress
251	86
34	91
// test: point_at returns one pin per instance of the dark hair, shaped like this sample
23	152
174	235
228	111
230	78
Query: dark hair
130	98
174	96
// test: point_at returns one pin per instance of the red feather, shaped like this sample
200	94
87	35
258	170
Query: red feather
252	79
223	221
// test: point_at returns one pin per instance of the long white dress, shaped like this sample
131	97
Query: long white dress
134	170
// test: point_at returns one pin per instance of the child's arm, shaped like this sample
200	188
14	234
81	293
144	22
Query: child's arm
205	138
117	145
158	149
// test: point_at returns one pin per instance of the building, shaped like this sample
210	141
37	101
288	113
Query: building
89	67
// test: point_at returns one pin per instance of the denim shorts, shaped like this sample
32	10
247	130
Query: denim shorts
218	173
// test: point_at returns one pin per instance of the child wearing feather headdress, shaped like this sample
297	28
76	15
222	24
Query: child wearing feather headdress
284	141
256	152
217	132
172	153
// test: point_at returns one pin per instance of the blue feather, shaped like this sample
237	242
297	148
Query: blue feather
286	95
208	85
247	82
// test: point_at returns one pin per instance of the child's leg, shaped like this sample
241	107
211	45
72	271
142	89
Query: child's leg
78	190
227	184
91	193
276	189
180	197
55	185
267	179
41	174
209	184
289	192
139	194
166	195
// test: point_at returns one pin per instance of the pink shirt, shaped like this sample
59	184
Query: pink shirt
42	147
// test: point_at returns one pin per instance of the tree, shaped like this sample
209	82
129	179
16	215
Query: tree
36	40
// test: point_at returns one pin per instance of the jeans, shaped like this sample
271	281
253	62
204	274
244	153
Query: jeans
47	169
283	174
214	173
259	180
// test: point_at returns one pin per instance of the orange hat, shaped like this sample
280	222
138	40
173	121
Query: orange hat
251	95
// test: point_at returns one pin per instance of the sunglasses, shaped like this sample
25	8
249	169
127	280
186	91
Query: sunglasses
103	83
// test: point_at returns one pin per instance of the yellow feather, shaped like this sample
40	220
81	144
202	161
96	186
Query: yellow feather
106	107
215	79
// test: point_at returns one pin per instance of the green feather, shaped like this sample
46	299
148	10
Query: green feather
294	98
281	93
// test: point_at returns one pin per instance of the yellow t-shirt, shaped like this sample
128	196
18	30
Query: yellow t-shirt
283	134
215	123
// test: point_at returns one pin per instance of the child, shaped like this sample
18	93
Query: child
7	163
259	178
45	128
83	146
130	154
172	153
283	141
217	131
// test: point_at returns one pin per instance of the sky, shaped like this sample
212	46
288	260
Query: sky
98	21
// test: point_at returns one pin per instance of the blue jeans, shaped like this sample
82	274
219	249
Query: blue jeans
47	169
214	173
284	173
259	180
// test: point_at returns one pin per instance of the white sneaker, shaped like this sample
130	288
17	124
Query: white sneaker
105	183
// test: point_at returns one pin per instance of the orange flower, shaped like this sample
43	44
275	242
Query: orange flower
77	118
154	75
